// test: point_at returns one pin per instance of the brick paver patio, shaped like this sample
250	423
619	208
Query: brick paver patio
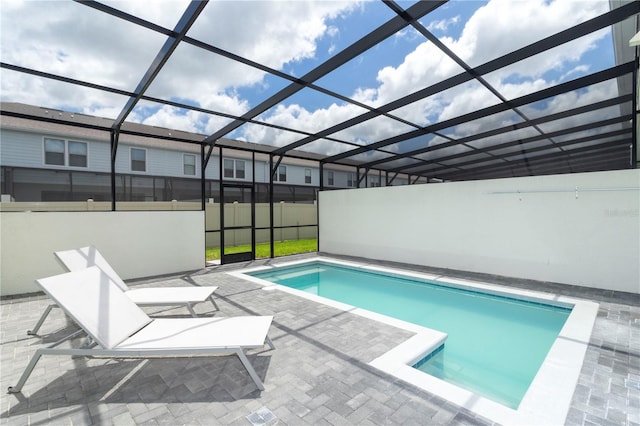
318	374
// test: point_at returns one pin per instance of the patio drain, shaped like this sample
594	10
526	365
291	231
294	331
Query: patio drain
262	417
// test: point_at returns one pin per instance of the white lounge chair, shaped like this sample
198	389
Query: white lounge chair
82	258
119	328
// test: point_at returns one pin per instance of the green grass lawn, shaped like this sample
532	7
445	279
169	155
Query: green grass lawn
280	248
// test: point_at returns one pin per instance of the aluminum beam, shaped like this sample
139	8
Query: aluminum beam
523	150
569	86
540	46
522	142
373	38
451	54
218	51
616	148
184	24
494	132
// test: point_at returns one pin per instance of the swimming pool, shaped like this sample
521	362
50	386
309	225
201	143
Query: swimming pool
549	395
495	344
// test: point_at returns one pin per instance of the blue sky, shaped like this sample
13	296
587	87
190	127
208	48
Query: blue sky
70	39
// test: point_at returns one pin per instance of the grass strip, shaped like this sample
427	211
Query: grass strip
281	248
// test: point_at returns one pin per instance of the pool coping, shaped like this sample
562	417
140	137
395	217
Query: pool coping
547	400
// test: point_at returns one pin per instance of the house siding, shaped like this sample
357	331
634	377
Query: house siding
22	149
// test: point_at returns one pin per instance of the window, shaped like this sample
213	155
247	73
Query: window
350	179
77	154
59	152
234	169
54	152
239	169
330	178
189	164
228	168
138	160
307	175
282	174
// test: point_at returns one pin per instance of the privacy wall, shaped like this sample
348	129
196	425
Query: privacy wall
581	229
136	244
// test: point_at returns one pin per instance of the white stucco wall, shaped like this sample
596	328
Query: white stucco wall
137	244
548	231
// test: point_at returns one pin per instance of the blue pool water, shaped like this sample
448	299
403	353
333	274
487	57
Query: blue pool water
495	344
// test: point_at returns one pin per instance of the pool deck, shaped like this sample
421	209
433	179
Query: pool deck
319	373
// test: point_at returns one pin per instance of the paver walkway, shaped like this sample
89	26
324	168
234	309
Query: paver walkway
318	375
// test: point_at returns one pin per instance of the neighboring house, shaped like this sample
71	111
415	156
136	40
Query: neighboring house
47	161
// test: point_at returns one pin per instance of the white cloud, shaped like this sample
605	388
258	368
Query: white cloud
70	39
423	67
272	33
212	79
557	104
67	38
75	41
164	12
572	100
504	25
580	69
516	90
408	33
489	33
299	118
443	24
54	94
170	117
462	100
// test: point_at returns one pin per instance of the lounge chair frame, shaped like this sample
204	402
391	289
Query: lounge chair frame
118	328
106	353
189	306
81	258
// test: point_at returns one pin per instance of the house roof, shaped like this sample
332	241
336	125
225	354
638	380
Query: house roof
67	124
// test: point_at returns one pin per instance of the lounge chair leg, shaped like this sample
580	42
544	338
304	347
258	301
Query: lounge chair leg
214	302
88	343
245	361
27	372
190	308
34	332
269	342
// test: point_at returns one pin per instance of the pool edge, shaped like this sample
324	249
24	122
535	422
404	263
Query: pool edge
548	399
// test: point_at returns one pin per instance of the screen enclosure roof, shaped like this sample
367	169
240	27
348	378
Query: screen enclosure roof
447	90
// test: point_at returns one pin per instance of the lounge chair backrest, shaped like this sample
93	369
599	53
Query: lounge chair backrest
96	304
82	258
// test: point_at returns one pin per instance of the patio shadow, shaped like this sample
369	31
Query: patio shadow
156	380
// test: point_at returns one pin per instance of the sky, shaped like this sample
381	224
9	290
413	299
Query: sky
67	38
